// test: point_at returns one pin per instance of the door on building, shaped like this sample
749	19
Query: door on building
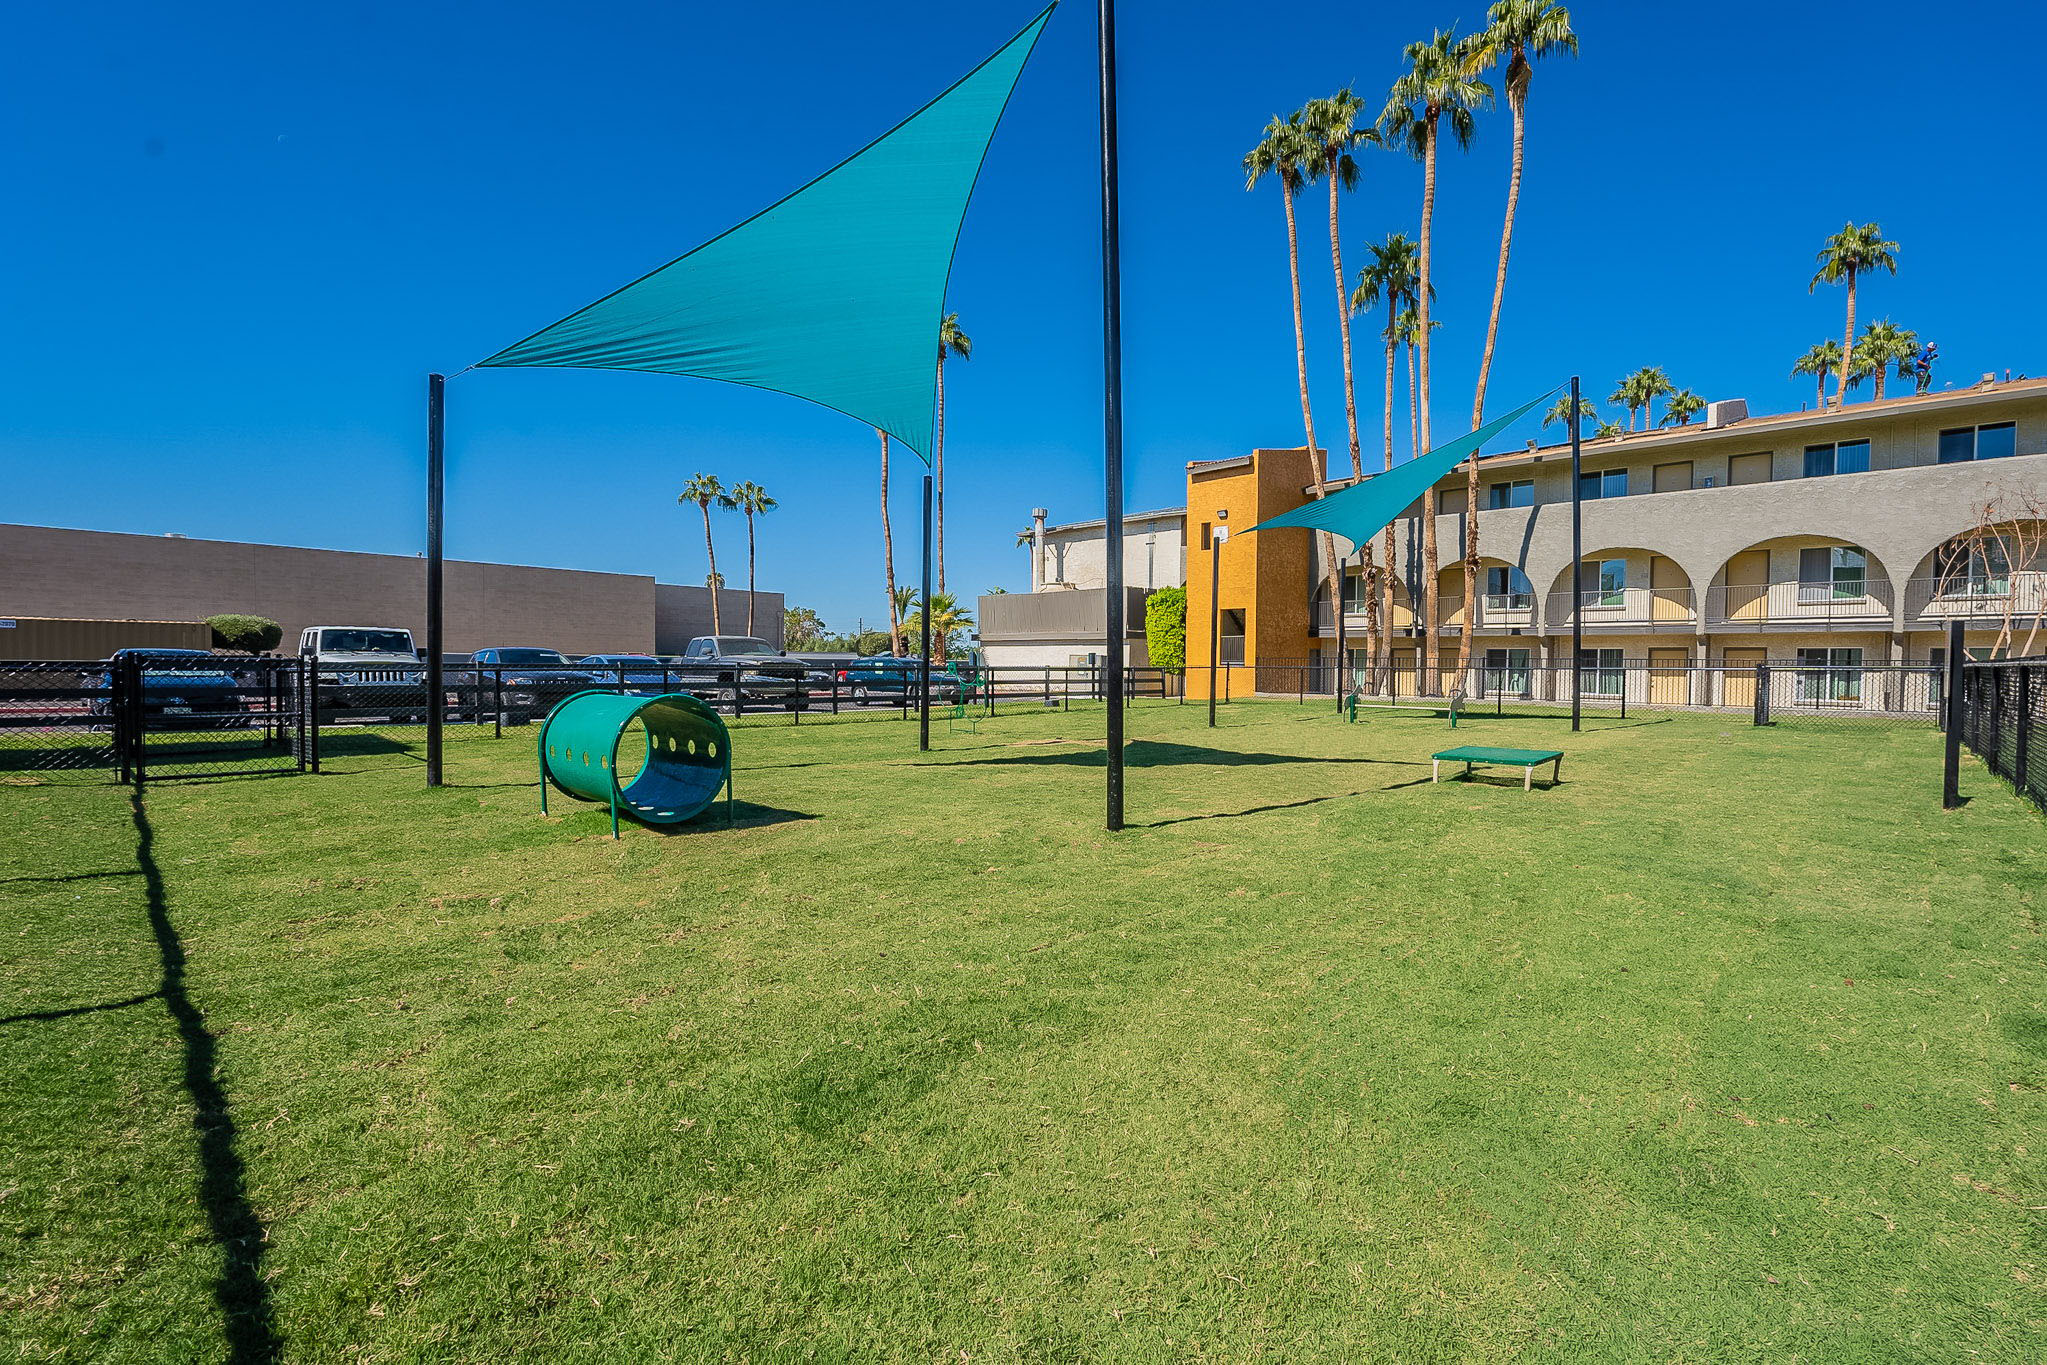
1404	677
1506	672
1749	468
1738	676
1748	584
1670	677
1673	478
1670	592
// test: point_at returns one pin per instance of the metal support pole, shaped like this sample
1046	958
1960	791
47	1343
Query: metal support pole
1342	655
435	405
1215	616
924	634
1951	762
1112	410
1577	572
2022	738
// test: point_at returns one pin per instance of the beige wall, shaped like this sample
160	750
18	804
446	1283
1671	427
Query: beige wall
46	571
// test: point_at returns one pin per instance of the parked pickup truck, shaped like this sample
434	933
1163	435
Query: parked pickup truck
712	665
366	671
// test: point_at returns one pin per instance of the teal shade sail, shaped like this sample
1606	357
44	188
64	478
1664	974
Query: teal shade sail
835	293
1361	511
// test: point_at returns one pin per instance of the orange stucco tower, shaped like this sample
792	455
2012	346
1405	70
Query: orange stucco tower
1265	589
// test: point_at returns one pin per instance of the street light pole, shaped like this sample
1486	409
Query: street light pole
1577	573
1112	419
1215	612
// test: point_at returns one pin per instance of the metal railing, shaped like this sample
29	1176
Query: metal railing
2002	715
1988	599
1866	599
1634	607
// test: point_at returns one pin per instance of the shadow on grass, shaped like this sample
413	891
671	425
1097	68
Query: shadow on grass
40	1016
240	1289
1284	805
69	877
1153	753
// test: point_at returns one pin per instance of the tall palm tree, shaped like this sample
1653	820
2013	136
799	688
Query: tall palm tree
1560	413
1842	257
703	490
902	605
1334	134
947	616
750	498
1516	31
1438	86
1609	431
1628	394
888	555
1819	362
953	341
1655	384
1882	347
1392	277
1284	153
1027	539
1683	406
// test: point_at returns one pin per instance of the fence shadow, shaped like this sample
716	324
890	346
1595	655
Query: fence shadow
1155	753
1284	805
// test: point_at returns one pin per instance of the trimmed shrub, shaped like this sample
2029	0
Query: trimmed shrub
1165	628
248	634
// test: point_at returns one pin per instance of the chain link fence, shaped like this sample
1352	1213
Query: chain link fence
2003	717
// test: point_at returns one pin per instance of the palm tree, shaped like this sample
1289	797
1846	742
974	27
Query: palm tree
1628	394
953	341
1436	86
1392	277
947	616
714	581
1638	394
1821	361
1883	346
902	602
888	555
1334	134
1515	32
1683	406
703	490
1609	431
1027	539
753	500
1560	413
1842	257
1284	153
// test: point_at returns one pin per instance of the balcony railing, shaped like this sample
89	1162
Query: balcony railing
1643	608
1865	599
1989	598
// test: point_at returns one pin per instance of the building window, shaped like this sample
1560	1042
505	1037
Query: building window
1506	672
1610	577
1233	637
1205	541
1599	672
1832	573
1829	675
1992	442
1354	590
1519	493
1606	483
1842	457
1972	569
1508	589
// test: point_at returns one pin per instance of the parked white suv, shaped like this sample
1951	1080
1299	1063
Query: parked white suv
366	671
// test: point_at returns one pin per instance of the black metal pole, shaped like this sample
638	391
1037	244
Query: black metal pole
1951	759
1112	409
1342	655
1215	615
1577	572
435	404
924	632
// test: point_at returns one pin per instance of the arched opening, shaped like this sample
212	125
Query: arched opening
1793	579
1992	578
1625	586
1506	597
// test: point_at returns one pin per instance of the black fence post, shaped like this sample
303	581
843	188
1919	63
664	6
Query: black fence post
497	698
137	720
2022	740
1956	717
1762	716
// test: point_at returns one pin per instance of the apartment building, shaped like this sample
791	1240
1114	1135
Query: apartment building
1062	620
1835	540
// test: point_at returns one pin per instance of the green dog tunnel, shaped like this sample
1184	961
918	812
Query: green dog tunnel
661	760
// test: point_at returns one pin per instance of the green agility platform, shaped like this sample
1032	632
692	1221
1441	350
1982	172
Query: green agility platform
1527	760
686	755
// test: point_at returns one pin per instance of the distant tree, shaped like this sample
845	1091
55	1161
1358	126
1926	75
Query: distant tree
947	617
752	499
1609	431
888	555
246	634
1883	346
703	490
1165	628
902	601
951	341
802	629
997	591
1560	413
1851	252
1683	406
1819	362
715	581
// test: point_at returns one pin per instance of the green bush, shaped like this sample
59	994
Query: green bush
249	634
1165	628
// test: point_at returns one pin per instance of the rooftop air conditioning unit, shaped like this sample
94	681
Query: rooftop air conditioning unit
1726	412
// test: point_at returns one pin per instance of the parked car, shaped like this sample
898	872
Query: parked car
712	665
366	671
644	674
887	677
185	689
529	679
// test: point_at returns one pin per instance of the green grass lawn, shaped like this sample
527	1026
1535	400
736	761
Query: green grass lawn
1731	1047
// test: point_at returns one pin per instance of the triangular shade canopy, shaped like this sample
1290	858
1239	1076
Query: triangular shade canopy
1361	511
835	294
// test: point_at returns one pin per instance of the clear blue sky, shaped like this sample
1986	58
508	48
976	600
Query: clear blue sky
240	235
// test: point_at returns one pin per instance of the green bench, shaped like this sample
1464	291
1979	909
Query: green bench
1527	760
